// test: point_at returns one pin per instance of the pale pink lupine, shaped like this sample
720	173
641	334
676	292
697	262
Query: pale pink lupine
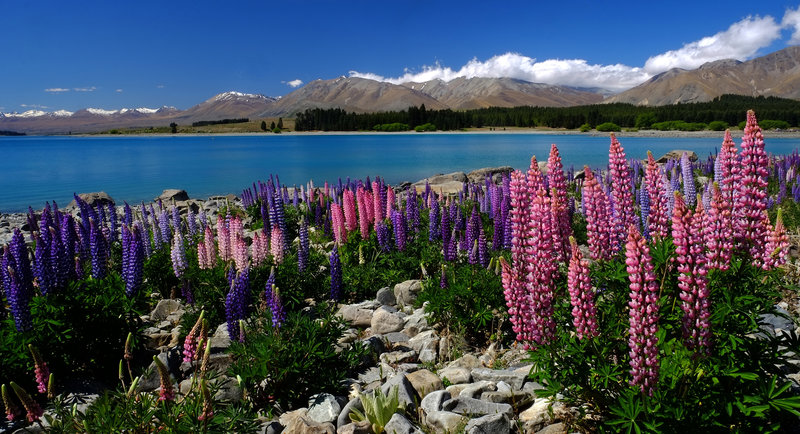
377	207
240	255
276	245
363	217
202	258
368	206
643	313
621	193
390	200
718	231
751	192
516	295
349	204
777	245
224	240
260	247
558	192
581	295
337	223
236	229
658	218
598	219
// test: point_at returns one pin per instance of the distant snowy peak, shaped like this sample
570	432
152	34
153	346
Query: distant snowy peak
36	114
140	110
239	96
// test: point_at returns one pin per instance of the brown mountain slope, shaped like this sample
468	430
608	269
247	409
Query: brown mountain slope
775	74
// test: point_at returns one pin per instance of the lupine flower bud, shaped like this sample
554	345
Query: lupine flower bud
40	369
167	391
12	410
208	403
190	343
35	412
336	275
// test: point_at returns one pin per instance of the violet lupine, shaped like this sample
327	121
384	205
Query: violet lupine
190	343
349	204
98	250
178	255
41	373
167	389
412	210
718	231
644	209
275	305
751	192
689	191
191	219
581	295
42	263
336	275
643	313
163	226
276	245
473	224
400	229
237	300
598	229
777	244
483	251
384	237
60	261
337	221
558	191
132	260
302	251
433	221
621	193
224	239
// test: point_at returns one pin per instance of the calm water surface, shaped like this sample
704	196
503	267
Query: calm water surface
34	170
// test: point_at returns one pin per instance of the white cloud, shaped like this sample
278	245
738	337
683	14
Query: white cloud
84	89
294	83
567	72
740	41
160	86
791	19
34	106
56	90
119	90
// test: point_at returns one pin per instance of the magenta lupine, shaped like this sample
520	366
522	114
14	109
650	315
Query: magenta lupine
178	255
540	266
621	193
777	243
35	412
337	221
224	239
581	295
658	218
718	231
41	373
390	201
349	204
167	390
190	343
729	176
598	227
751	192
517	298
643	313
363	216
558	191
534	180
377	207
276	245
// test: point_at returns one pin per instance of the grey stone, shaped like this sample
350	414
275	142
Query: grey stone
676	154
397	337
406	292
170	194
417	322
396	357
479	175
779	322
344	416
386	296
456	375
400	424
385	321
92	199
356	316
376	344
303	425
539	412
376	373
455	389
362	427
425	382
489	424
556	428
406	393
323	408
151	379
442	178
474	390
220	341
444	421
229	390
514	379
272	427
516	399
472	406
466	361
163	309
434	401
408	367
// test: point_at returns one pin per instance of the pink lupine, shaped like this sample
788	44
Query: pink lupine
235	229
535	180
728	165
658	218
777	243
337	221
598	220
517	298
240	256
363	217
581	295
276	245
718	231
167	391
202	258
540	266
32	407
643	313
224	239
558	192
41	373
390	201
260	247
751	191
621	193
190	343
349	204
377	207
13	411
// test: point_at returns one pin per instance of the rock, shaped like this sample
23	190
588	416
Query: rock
362	427
539	412
514	379
472	407
395	357
434	401
272	427
516	399
542	166
444	421
406	292
302	425
396	338
479	175
376	373
220	341
556	428
466	361
216	362
676	154
474	390
408	368
425	382
323	408
774	324
406	393
416	323
426	344
456	375
455	389
376	344
442	178
170	194
229	390
444	188
400	424
386	320
489	424
289	417
93	199
151	380
355	316
385	296
344	416
163	309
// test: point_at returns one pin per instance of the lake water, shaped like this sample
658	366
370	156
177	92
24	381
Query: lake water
34	170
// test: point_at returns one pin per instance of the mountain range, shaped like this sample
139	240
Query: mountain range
775	74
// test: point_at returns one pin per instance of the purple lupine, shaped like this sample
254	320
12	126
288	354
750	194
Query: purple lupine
191	219
621	193
42	263
112	221
127	218
443	284
384	237
336	274
178	255
400	231
483	252
643	313
302	251
644	208
98	250
177	223
274	302
237	300
412	210
433	222
473	224
18	289
132	260
163	226
689	191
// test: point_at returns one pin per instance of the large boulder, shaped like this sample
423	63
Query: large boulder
406	292
93	199
479	175
386	320
170	194
676	154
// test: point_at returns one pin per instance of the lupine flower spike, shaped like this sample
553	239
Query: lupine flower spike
621	193
13	412
40	369
167	392
190	343
32	407
584	313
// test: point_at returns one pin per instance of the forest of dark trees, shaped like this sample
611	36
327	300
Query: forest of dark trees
10	133
221	121
730	109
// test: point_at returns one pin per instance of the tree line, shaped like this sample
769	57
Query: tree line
730	109
221	121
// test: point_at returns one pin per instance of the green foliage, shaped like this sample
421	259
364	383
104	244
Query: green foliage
378	408
769	124
220	122
608	127
585	128
645	120
274	364
276	130
263	125
718	126
679	126
425	127
393	127
158	275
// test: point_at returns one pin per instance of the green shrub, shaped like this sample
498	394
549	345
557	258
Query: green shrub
585	128
768	124
393	127
425	127
608	127
718	126
276	130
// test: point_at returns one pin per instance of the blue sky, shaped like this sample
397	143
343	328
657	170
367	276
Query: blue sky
62	55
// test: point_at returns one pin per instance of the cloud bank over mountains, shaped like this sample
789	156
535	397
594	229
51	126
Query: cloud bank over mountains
741	41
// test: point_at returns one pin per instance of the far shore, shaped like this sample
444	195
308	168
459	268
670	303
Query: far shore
789	134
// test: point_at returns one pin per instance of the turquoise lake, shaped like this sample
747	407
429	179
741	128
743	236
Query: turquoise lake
34	170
